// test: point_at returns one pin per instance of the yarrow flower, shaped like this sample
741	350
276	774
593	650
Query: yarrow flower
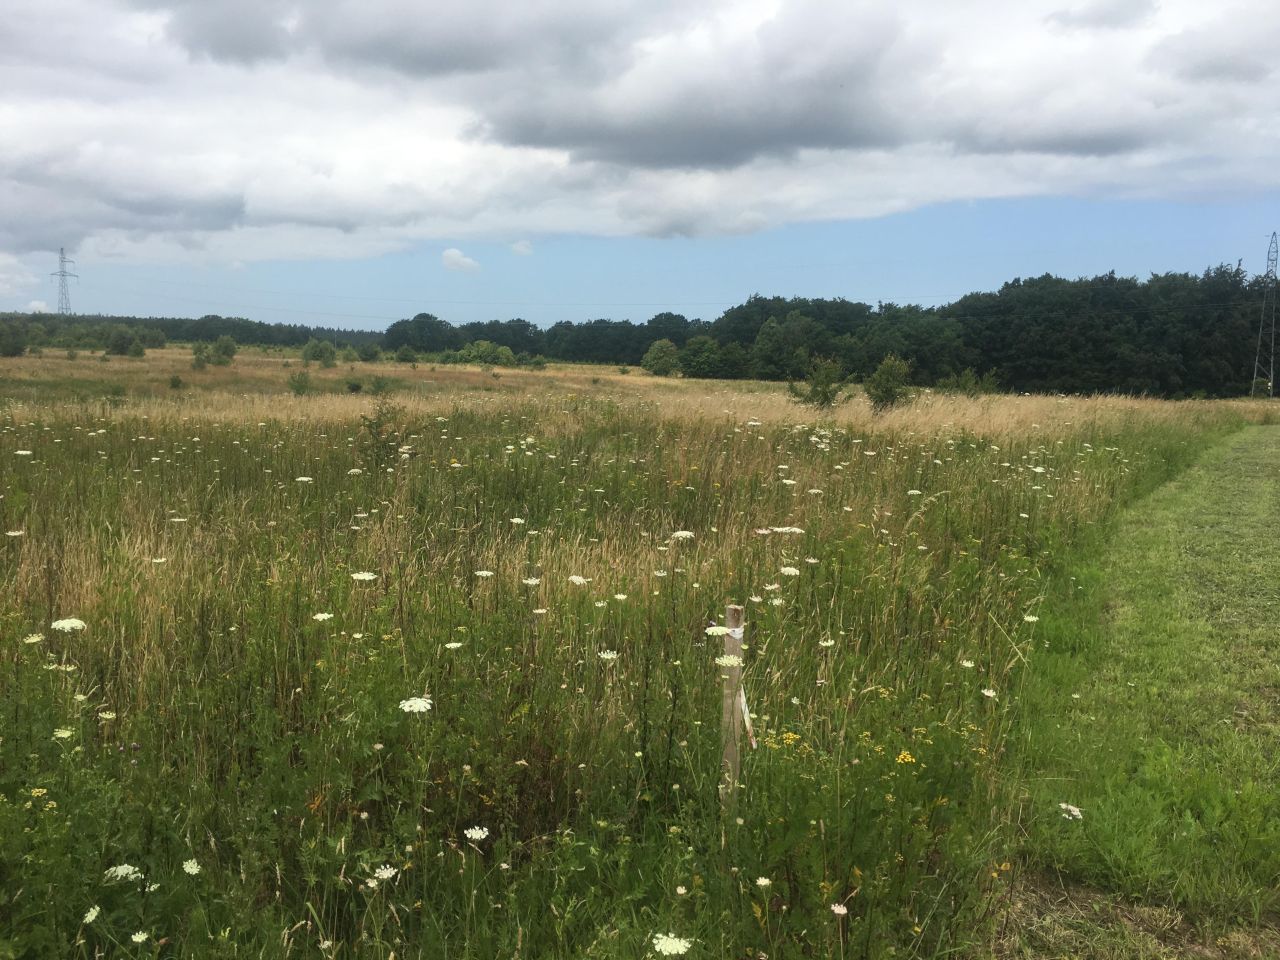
716	631
763	882
682	535
839	909
190	867
577	581
669	945
789	572
531	581
140	937
452	645
967	664
364	575
69	625
475	834
484	574
385	872
62	733
989	693
416	705
1070	811
91	914
322	616
728	660
1030	618
608	655
33	638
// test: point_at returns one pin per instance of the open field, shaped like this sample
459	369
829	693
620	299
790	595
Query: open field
229	752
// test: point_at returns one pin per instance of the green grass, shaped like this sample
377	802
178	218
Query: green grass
1154	685
205	713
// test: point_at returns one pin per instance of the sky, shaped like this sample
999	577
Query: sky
351	162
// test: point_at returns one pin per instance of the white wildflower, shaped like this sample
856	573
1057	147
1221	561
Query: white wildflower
669	945
69	625
475	834
416	705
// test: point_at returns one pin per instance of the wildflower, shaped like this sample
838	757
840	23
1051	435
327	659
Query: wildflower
385	872
452	645
577	581
190	867
140	937
322	616
913	493
681	891
1070	811
416	705
682	535
763	882
619	596
476	834
484	574
159	559
354	472
989	693
302	479
69	625
906	757
13	533
728	660
715	631
364	575
789	572
518	521
531	581
91	914
124	871
62	733
608	655
33	638
828	642
669	945
22	453
839	909
967	664
1030	618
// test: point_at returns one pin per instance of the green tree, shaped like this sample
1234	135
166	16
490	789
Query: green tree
700	358
321	351
406	354
889	384
822	388
223	351
662	358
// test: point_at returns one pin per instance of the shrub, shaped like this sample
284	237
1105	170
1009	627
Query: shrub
300	383
888	385
662	358
176	382
822	387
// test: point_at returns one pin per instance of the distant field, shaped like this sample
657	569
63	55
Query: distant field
226	608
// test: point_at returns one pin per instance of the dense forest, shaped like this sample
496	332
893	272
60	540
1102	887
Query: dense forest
1173	335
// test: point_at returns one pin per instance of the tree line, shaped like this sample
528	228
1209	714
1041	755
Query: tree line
1172	335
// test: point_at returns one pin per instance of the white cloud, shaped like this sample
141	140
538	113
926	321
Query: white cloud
37	306
522	248
455	259
14	275
246	130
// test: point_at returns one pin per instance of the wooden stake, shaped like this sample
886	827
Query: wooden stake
731	711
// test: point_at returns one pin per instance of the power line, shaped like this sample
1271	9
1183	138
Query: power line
1267	372
63	274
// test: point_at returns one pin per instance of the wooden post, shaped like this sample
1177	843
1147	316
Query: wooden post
731	718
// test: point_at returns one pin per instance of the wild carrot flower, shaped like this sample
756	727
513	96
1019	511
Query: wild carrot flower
1070	811
475	834
140	937
577	580
839	909
123	871
190	867
322	616
989	693
91	914
69	625
669	945
728	660
364	575
385	872
608	655
416	705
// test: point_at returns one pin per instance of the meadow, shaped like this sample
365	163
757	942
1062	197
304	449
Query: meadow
434	673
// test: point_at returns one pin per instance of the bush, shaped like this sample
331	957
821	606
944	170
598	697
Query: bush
889	384
300	383
968	383
822	387
355	386
662	358
176	382
406	354
136	349
199	356
348	355
223	351
321	351
369	352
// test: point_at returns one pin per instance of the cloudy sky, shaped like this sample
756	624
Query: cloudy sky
355	161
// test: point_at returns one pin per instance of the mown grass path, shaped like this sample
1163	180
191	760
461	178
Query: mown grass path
1152	704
